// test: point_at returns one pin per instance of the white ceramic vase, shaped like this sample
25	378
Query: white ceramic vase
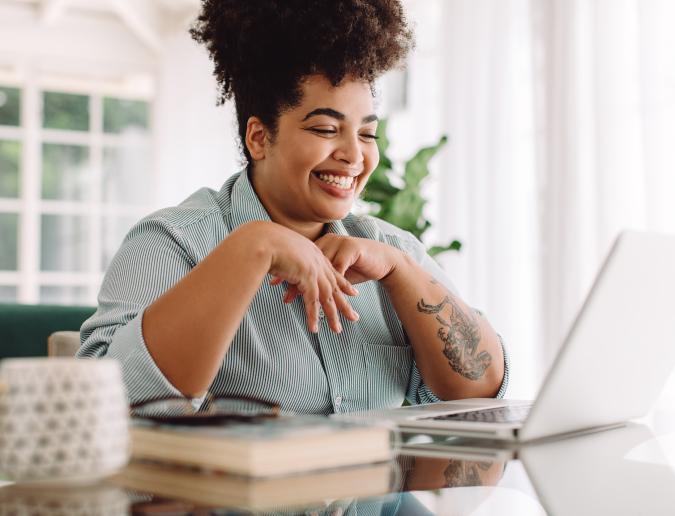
62	419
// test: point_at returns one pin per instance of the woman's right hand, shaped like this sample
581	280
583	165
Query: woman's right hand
300	263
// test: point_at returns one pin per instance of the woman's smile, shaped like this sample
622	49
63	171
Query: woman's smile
341	186
320	157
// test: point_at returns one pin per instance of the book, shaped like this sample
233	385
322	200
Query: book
263	447
222	490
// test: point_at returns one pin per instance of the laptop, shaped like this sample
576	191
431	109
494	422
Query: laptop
611	367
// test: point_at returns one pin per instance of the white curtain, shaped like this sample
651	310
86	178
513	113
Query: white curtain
561	115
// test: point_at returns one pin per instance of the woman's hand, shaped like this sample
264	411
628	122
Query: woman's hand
300	263
357	259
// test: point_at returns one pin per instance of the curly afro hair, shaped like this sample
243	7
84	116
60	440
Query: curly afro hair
263	49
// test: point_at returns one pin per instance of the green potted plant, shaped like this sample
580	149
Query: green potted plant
404	206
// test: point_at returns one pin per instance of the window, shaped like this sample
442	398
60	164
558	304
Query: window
75	172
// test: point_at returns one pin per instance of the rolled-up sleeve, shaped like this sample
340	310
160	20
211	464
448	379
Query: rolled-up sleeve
149	262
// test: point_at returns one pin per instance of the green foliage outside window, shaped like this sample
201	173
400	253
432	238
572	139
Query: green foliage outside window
9	236
64	170
10	106
10	155
65	111
122	114
403	206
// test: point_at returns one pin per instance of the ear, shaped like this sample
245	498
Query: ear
256	136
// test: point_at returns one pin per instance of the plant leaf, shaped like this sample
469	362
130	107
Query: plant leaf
405	211
382	140
417	167
379	188
455	245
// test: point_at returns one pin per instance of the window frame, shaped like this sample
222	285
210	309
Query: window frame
29	205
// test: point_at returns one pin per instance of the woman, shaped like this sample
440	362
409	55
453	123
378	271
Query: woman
250	291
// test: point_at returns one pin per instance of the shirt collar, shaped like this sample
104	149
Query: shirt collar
246	207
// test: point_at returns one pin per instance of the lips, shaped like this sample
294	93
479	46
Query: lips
337	172
332	187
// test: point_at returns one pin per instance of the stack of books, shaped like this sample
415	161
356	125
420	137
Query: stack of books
285	461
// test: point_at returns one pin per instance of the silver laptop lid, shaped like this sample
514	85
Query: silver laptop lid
621	348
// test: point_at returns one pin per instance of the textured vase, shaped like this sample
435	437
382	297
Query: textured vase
62	419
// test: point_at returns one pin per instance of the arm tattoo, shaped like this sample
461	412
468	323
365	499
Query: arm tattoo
460	335
461	473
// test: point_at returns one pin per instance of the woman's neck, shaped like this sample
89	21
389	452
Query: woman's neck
309	229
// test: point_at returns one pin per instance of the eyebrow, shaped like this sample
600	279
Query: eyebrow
337	115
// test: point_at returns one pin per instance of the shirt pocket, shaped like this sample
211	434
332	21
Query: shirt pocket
388	368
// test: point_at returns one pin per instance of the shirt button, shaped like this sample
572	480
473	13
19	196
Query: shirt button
321	314
338	401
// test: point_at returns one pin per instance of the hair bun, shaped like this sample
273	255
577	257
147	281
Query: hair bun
261	49
265	39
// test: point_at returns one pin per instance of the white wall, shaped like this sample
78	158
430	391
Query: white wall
97	47
196	141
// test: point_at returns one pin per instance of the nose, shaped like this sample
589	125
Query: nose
349	151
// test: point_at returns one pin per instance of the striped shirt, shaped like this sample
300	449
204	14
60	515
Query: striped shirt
273	356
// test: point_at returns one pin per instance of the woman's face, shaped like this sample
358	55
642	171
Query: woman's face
322	155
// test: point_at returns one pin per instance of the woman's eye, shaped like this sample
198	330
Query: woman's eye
323	131
370	136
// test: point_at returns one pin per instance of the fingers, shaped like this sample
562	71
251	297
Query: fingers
343	306
291	293
329	307
335	252
312	305
345	286
321	286
324	294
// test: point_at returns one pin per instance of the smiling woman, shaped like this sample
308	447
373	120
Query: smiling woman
322	155
249	291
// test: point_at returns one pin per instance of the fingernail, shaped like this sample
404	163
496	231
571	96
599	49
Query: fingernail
355	316
338	328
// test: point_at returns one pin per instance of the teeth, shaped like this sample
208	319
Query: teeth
343	182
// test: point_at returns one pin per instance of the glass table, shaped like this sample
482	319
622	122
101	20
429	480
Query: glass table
624	471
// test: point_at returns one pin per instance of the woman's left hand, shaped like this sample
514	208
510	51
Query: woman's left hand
357	259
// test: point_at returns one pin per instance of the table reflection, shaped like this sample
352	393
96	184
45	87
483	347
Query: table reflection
618	472
63	500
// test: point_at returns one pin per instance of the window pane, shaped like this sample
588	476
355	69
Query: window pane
8	294
10	106
61	295
113	232
65	111
64	171
126	175
10	153
9	241
120	115
63	243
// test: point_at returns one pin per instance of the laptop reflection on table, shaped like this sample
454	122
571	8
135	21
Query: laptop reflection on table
620	472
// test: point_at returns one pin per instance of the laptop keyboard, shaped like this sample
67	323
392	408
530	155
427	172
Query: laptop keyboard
512	414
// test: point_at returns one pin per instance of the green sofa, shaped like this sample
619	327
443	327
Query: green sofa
24	328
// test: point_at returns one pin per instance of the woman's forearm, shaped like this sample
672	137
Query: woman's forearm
190	327
456	350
